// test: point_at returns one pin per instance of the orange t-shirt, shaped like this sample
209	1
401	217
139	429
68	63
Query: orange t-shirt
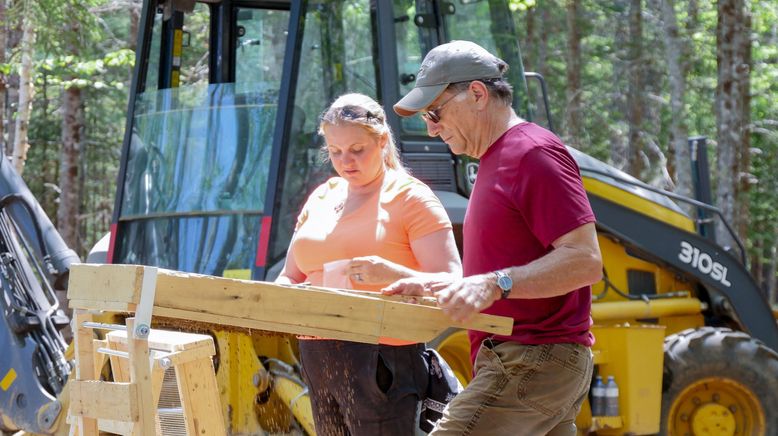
403	210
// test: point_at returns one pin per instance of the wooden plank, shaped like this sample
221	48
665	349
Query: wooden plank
267	302
303	310
261	325
140	374
181	357
157	377
120	367
168	340
100	358
108	283
108	400
290	308
115	427
85	365
424	301
108	306
200	398
429	322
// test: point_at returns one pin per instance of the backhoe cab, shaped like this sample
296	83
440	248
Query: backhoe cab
221	149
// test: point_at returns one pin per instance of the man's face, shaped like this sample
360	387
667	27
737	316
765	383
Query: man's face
449	118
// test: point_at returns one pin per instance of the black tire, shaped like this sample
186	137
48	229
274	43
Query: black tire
721	380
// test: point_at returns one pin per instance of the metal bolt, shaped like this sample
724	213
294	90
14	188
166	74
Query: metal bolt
684	417
733	408
142	330
696	401
419	19
716	397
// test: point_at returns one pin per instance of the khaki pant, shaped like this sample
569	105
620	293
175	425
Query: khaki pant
521	390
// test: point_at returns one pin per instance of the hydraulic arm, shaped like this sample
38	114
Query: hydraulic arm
34	262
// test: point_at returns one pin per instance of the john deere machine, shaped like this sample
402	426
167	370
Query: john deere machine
221	149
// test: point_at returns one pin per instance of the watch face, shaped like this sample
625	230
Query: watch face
504	282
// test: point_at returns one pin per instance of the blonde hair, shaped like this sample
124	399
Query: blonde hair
362	110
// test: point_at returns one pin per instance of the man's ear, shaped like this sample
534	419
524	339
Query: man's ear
481	94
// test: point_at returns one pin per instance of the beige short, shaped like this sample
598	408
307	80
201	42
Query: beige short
521	390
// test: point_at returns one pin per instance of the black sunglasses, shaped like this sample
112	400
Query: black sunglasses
433	115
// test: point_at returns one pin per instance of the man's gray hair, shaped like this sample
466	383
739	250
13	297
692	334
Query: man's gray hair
498	88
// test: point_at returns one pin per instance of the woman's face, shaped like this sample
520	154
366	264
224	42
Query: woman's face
356	155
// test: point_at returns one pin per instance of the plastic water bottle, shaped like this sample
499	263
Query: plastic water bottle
611	397
598	397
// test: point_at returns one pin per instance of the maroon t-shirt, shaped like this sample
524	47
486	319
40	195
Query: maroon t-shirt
528	193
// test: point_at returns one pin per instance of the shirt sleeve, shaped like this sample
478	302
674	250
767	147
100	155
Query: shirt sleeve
550	194
423	213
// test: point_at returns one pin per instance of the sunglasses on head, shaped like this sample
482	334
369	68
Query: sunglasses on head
357	113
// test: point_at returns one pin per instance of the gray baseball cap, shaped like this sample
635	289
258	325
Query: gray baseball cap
456	61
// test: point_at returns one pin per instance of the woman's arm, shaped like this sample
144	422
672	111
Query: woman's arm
436	253
291	273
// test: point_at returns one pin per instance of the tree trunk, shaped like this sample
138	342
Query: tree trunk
772	283
540	62
70	198
528	44
746	178
680	165
70	157
636	158
618	141
692	15
732	47
573	125
135	9
26	90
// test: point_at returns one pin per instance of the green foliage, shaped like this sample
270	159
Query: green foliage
520	5
763	231
72	51
604	81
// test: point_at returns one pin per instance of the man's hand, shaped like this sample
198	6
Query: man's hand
417	286
463	299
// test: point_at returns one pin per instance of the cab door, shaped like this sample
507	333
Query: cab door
411	28
198	149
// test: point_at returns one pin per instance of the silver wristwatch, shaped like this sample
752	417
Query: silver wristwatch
504	282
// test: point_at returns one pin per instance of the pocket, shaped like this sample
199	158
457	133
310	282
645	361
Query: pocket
553	375
376	378
488	360
383	375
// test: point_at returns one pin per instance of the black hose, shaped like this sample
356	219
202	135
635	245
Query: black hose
14	198
644	297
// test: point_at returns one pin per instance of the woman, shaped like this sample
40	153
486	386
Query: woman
390	226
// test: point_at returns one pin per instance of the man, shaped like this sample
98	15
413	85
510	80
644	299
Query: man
530	252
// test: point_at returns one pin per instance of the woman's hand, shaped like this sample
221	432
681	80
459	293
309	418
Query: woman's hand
375	270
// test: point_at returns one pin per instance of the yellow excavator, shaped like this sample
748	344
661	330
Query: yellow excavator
221	149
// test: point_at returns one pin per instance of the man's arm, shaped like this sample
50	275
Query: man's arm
574	262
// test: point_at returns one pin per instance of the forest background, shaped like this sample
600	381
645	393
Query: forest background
629	82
